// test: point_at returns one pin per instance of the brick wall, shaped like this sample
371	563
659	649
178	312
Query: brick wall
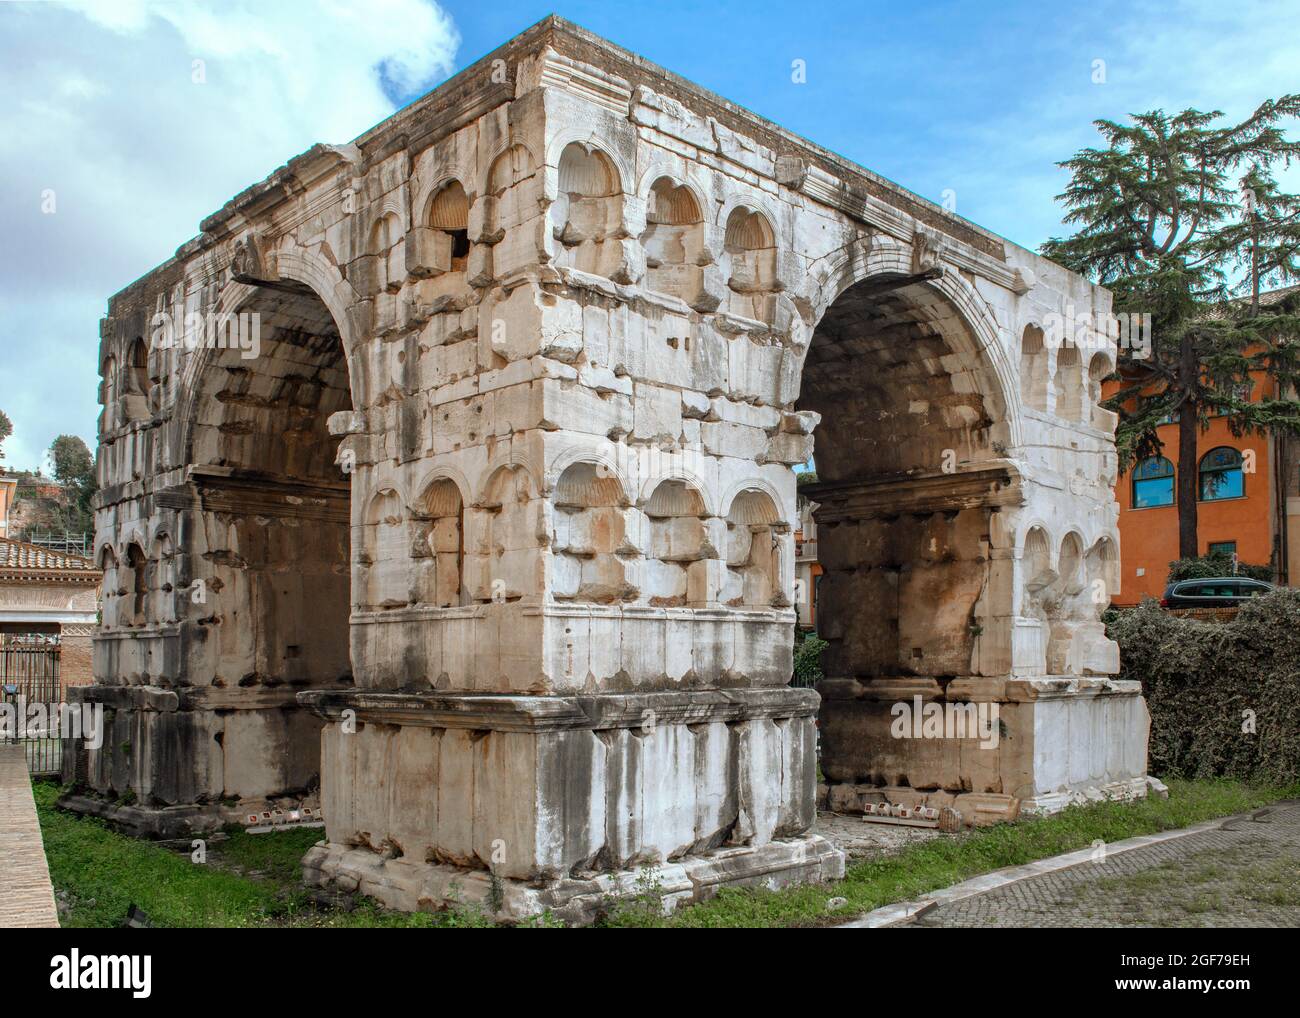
75	660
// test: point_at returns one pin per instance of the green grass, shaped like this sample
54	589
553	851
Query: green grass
919	868
253	880
248	880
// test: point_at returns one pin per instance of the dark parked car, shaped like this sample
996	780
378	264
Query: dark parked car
1213	592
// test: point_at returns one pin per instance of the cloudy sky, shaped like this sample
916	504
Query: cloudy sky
116	142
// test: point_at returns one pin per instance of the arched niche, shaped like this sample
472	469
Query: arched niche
506	559
754	555
110	588
109	394
160	580
1099	367
1037	560
674	241
750	251
440	244
590	536
1103	568
1033	368
587	215
388	244
439	545
512	193
135	382
513	188
1070	565
384	553
679	550
1069	383
134	586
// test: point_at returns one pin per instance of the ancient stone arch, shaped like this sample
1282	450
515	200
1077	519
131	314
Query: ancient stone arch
490	504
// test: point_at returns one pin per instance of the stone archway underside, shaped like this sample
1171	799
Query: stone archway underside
245	584
563	486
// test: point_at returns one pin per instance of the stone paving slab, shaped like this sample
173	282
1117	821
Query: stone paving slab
26	896
860	839
1239	872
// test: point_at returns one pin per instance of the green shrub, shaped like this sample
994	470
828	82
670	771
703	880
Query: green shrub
807	659
1224	697
1215	565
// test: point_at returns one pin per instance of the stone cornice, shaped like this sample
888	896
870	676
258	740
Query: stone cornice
215	489
991	486
500	713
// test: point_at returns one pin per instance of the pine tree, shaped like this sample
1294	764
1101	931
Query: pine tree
1176	214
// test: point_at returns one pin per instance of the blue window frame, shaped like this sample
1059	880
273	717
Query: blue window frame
1221	475
1153	483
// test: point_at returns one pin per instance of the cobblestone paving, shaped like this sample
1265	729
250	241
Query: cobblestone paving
1245	874
859	839
26	897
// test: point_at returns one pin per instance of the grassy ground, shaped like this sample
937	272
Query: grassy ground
247	879
252	880
948	860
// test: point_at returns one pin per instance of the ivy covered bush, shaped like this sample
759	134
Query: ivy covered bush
1224	697
1215	565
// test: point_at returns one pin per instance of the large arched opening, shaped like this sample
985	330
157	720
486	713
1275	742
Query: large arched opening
269	543
911	477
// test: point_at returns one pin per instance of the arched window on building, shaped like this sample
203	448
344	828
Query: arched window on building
1153	483
1221	475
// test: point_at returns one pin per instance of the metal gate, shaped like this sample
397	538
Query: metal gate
29	678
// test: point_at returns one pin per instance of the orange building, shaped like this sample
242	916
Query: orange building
8	491
1248	500
807	570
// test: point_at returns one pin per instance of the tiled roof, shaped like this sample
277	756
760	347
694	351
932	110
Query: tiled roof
21	555
1267	298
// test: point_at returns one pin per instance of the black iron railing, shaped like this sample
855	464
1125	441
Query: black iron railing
32	693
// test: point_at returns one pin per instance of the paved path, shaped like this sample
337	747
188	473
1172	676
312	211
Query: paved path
1245	872
26	897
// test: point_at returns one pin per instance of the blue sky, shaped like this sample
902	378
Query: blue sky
975	99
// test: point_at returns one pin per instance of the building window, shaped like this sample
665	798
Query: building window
1221	474
1153	483
1241	392
1225	548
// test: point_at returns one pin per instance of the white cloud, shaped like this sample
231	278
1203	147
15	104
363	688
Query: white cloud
1000	158
102	109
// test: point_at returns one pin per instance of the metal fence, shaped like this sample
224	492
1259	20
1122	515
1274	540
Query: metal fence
29	678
